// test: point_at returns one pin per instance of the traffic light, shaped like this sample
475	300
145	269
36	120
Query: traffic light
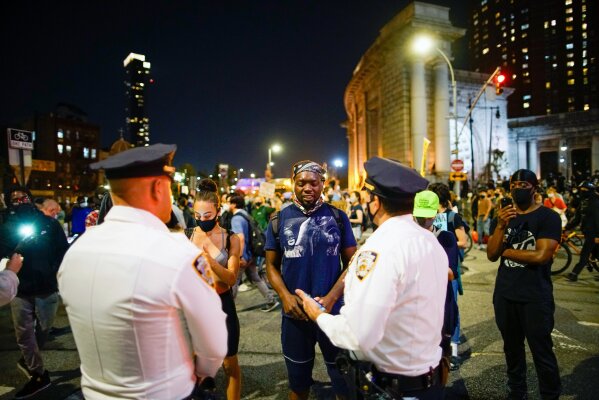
499	82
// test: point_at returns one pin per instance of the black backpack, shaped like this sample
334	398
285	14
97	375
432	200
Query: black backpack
256	235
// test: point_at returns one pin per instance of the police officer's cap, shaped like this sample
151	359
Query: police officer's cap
390	179
154	160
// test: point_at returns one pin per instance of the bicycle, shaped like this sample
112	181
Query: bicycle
562	257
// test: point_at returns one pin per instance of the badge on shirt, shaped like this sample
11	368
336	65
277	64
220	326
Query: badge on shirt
365	263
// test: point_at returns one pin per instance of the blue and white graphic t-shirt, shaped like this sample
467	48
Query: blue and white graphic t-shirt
310	247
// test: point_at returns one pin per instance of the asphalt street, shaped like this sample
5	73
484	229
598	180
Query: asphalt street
481	376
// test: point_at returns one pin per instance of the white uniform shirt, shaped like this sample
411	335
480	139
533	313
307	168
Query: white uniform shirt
394	300
9	283
139	310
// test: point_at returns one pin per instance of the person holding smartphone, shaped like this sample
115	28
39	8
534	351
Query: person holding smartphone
524	237
221	252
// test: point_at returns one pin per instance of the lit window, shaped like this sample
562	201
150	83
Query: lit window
570	63
93	153
526	73
524	66
569	28
526	97
569	46
586	107
547	85
553	22
546	24
569	19
548	110
570	72
584	26
585	71
525	105
514	76
512	31
585	81
570	100
85	152
524	26
584	62
68	148
60	148
554	65
569	10
570	82
60	134
568	2
570	55
513	38
525	50
485	50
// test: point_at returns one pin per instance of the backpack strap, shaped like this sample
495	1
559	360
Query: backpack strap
274	223
336	213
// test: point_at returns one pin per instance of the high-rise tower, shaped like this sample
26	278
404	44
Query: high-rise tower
549	50
136	83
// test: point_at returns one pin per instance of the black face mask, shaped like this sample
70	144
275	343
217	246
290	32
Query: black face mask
207	225
522	198
371	216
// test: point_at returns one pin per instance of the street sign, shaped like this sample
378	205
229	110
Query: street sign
458	176
20	139
457	165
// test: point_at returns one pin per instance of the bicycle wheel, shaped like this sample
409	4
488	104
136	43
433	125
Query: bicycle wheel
561	259
468	243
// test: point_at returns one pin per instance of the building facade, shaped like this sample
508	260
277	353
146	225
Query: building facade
400	105
64	146
138	78
549	50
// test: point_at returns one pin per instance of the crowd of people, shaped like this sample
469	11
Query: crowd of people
149	284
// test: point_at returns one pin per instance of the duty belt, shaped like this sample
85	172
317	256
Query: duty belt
403	383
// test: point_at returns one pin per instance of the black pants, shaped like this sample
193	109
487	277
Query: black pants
533	321
587	248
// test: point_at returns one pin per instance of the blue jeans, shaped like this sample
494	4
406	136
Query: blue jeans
32	317
482	228
455	338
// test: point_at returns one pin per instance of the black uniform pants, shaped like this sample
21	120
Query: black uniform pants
587	248
533	321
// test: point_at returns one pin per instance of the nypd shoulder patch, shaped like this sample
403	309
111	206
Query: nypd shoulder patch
365	263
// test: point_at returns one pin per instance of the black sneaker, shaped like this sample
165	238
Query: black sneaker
572	277
454	363
269	306
23	367
36	384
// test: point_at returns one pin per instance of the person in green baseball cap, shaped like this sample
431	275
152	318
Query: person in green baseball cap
426	204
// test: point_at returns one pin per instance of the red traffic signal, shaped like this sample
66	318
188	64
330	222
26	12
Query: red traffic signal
499	82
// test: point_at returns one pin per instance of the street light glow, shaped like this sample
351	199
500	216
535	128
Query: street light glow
240	169
276	148
252	175
338	163
423	44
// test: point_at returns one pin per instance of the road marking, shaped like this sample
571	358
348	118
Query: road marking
586	323
565	342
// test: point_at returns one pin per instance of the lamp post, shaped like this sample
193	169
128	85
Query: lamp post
423	44
275	148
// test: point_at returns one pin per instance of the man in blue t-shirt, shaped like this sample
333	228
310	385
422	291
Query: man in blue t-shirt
308	247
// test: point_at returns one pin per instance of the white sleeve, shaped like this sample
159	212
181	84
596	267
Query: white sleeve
369	301
205	320
9	283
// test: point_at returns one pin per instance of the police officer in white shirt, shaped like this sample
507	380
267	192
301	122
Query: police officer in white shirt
394	294
146	323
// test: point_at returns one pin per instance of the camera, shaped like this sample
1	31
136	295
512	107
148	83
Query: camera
506	201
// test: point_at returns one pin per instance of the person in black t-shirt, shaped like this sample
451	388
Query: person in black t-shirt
525	236
356	216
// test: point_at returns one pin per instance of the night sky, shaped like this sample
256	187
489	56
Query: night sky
231	78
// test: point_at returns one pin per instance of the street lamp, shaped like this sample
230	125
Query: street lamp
422	45
252	175
275	148
239	171
338	163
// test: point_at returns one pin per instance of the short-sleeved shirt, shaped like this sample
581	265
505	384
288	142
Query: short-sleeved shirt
311	247
555	202
522	282
261	215
240	225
